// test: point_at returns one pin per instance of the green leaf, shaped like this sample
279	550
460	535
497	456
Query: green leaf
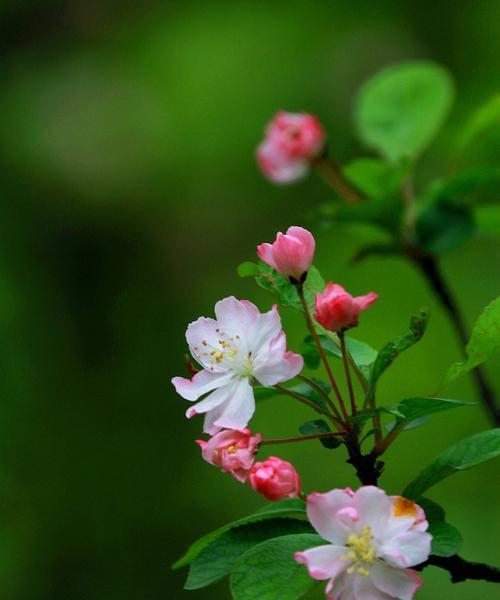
248	269
374	177
219	557
487	219
483	343
410	409
486	117
433	511
443	226
446	539
471	187
263	393
268	571
401	109
320	426
466	454
384	213
283	508
392	350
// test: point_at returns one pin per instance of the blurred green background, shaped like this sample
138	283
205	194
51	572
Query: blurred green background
129	195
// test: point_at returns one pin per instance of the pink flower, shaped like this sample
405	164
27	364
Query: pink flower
275	479
240	345
292	141
232	451
291	254
373	539
336	309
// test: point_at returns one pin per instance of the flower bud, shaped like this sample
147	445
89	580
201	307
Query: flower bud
232	451
337	310
291	254
275	479
292	141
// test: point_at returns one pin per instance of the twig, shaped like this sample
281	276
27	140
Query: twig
332	174
304	438
302	399
461	569
345	360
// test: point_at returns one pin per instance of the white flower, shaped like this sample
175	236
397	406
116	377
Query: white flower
240	344
373	539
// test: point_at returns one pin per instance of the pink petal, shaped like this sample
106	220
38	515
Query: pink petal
408	549
324	562
276	365
363	302
265	253
307	240
322	510
397	583
201	383
267	327
374	506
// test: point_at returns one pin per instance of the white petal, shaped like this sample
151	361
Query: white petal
276	365
324	562
407	550
202	383
322	511
268	327
398	583
365	589
374	506
237	317
216	398
202	337
239	408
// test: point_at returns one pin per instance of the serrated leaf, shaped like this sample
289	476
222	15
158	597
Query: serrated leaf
219	557
320	426
269	571
248	269
466	454
392	350
282	508
446	539
483	343
401	109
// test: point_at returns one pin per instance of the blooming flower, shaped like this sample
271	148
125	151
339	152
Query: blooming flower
373	537
291	254
292	141
232	451
275	479
241	344
336	309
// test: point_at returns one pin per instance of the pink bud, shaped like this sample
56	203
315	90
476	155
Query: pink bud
275	479
232	451
336	309
292	141
291	254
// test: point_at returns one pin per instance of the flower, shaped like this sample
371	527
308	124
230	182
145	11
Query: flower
336	309
291	254
275	479
292	141
373	537
240	345
232	451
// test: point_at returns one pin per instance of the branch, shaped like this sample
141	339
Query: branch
461	569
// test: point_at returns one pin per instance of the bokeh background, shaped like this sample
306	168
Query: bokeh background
129	194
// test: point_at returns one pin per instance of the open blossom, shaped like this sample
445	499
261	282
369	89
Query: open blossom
232	451
336	309
373	539
275	479
241	344
291	254
292	141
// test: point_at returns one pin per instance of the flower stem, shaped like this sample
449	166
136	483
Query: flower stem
345	360
337	420
314	333
332	174
304	438
302	399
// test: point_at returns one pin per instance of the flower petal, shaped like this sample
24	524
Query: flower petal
239	408
364	589
212	401
307	240
202	337
265	253
237	318
276	365
398	583
202	383
407	550
324	562
374	506
322	510
363	302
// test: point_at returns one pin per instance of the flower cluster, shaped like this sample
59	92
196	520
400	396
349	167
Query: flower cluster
372	539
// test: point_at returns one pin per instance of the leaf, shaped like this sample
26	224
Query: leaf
268	571
283	508
446	539
248	269
384	213
374	177
320	426
410	409
443	226
486	117
471	187
392	350
433	511
263	393
488	219
466	454
400	110
218	558
483	343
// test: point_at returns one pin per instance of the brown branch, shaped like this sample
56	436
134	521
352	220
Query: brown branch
461	569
